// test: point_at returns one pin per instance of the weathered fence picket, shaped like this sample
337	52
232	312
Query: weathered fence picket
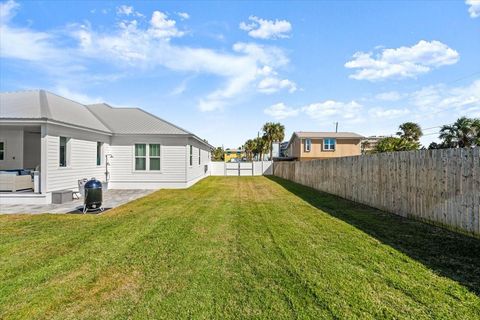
439	186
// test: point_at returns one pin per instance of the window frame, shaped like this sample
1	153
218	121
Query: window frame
3	151
100	153
147	158
159	157
66	150
199	156
329	148
307	141
143	157
190	155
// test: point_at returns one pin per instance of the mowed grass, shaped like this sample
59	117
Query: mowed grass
236	248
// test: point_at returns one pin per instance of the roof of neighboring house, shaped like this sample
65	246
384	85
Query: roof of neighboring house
44	105
316	134
133	121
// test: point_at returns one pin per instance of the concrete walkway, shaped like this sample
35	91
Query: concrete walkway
111	199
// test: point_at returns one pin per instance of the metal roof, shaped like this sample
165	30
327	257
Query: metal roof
44	105
316	134
133	121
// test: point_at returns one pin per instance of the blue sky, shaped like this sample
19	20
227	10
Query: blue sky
222	69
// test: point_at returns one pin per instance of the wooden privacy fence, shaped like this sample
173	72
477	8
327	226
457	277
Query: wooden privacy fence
439	186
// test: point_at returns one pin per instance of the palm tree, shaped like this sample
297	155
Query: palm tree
476	129
364	146
461	134
249	147
273	132
410	131
260	147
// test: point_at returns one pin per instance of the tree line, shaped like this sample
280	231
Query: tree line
259	146
463	133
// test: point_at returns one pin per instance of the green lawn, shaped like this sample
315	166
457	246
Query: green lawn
249	247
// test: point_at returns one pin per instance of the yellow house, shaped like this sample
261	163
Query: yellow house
230	154
323	145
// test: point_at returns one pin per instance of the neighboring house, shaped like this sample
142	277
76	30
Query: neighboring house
64	141
323	145
368	144
233	154
284	149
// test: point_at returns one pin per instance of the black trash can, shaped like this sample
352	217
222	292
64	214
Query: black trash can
93	195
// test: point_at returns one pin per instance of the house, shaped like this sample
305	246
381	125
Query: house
368	144
284	149
231	155
323	145
59	141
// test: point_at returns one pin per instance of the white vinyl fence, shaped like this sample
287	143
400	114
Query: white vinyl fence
254	168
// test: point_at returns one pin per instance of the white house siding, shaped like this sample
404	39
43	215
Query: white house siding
197	171
82	157
172	163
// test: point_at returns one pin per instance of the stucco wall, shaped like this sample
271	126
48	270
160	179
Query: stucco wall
343	148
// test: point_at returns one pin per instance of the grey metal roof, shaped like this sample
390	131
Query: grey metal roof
43	105
316	134
40	104
133	121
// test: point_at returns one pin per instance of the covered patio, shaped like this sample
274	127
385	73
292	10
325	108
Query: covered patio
20	161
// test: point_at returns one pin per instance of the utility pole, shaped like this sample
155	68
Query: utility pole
336	126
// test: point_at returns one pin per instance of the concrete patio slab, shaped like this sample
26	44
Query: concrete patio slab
111	199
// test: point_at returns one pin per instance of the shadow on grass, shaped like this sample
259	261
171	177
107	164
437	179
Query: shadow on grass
448	253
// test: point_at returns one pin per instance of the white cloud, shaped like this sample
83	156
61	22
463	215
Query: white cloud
328	110
391	113
127	11
162	27
388	96
183	15
280	111
403	62
77	96
474	8
432	100
7	10
139	47
266	29
331	108
23	43
272	84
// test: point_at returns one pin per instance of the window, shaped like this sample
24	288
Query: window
2	150
191	155
328	144
147	157
154	157
308	145
140	157
99	153
63	150
199	156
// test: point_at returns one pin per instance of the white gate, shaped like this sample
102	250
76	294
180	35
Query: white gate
254	168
